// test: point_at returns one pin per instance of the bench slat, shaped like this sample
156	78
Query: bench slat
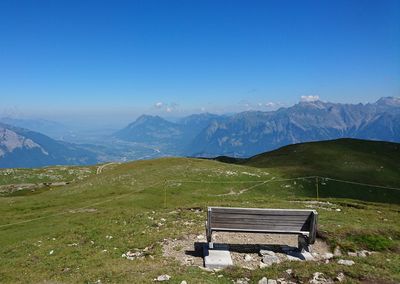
283	221
266	224
283	232
260	212
270	218
260	226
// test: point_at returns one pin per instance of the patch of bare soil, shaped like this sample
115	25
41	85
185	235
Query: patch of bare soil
244	247
188	250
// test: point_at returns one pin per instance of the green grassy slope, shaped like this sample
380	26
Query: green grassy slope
352	159
127	202
370	162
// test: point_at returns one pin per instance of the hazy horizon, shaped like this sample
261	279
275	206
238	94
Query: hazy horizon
117	118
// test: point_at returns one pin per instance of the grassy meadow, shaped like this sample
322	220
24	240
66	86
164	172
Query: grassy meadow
78	232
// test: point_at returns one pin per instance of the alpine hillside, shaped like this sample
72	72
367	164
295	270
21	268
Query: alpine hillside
20	147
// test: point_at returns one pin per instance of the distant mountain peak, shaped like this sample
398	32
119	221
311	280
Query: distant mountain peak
313	104
389	101
146	118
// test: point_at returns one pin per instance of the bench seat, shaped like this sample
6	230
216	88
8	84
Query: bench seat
301	222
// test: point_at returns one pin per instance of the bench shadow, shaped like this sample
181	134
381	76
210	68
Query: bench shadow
199	248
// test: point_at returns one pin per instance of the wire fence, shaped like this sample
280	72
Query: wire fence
324	187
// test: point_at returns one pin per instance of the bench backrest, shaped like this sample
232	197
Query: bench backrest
290	221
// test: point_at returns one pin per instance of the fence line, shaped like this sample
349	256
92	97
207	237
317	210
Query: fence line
286	179
259	183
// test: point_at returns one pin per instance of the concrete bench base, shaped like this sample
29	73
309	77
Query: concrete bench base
217	258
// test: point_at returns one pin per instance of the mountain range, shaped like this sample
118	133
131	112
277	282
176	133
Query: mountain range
20	147
208	135
248	133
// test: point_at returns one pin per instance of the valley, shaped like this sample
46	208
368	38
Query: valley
239	135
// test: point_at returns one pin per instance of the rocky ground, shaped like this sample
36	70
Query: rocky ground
247	250
252	251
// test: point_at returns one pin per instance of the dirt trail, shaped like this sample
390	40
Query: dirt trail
101	168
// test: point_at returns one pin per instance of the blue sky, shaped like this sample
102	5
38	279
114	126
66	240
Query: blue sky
115	58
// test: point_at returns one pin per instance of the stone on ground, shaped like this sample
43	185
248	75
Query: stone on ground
298	255
318	278
337	251
346	262
265	280
340	277
242	281
248	258
264	252
268	260
164	277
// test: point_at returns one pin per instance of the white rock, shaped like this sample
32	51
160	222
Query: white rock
205	268
264	252
327	255
183	282
346	262
263	280
340	277
248	258
289	271
318	278
164	277
269	260
298	256
242	281
189	260
352	254
307	256
338	209
363	253
51	252
337	251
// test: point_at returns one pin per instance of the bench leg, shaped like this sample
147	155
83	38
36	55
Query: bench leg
303	243
208	235
209	241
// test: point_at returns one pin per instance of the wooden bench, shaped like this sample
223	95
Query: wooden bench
272	221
